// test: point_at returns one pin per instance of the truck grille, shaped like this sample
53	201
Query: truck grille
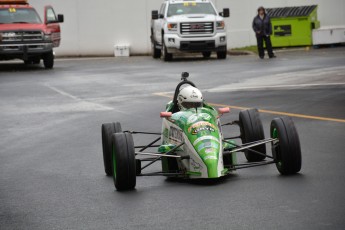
196	28
20	36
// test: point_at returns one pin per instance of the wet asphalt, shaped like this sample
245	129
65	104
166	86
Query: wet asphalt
51	168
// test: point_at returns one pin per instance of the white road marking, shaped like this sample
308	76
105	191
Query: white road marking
79	105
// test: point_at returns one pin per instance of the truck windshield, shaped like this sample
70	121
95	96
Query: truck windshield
191	8
15	15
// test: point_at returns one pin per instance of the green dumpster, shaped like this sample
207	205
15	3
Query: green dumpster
292	26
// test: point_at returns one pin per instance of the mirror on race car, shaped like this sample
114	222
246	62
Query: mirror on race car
224	110
165	114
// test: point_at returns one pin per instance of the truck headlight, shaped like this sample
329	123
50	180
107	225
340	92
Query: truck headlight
172	26
220	25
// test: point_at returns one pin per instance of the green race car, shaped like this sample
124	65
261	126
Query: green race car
192	144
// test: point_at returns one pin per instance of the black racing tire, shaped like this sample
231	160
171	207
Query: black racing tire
206	54
164	52
221	54
156	53
123	161
48	60
107	131
287	150
252	130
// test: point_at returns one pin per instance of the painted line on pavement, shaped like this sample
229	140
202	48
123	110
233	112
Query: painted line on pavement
162	94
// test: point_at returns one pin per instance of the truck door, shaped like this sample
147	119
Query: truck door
52	22
159	24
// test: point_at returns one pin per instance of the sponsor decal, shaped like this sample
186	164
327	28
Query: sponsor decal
204	138
166	133
194	95
208	145
175	134
196	166
193	118
206	116
204	128
201	126
210	150
210	158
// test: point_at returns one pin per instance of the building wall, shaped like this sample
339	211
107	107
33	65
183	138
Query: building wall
92	28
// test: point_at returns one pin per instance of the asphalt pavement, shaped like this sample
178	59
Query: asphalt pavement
51	167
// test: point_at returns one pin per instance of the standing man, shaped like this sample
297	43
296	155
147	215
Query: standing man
263	29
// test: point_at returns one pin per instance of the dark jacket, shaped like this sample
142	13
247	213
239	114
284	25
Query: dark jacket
263	26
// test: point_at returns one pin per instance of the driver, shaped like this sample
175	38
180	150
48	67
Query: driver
189	97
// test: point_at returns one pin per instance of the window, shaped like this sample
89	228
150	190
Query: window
51	17
14	15
162	10
190	8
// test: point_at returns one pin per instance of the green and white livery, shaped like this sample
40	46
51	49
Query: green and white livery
192	145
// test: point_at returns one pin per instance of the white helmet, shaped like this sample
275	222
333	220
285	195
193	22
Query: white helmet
189	97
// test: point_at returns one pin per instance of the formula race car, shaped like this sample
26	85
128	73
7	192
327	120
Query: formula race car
192	144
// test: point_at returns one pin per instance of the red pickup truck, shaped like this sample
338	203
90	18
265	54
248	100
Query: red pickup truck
24	36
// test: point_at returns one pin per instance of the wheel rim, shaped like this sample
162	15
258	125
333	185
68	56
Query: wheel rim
276	148
114	161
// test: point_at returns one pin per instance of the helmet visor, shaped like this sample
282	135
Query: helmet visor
190	105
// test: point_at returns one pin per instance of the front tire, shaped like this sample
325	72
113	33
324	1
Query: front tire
165	55
156	53
123	160
107	131
206	54
252	130
287	150
222	54
48	60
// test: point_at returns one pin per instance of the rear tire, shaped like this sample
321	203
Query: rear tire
287	152
206	54
48	60
107	131
123	160
221	55
252	130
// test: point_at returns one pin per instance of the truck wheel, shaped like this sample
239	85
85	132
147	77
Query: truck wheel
36	61
165	55
48	60
206	54
221	54
107	131
252	130
156	53
287	150
123	161
28	62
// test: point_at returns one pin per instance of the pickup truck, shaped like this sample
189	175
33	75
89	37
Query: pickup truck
24	36
188	26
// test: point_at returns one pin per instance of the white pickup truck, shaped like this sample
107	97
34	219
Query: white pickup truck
188	26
